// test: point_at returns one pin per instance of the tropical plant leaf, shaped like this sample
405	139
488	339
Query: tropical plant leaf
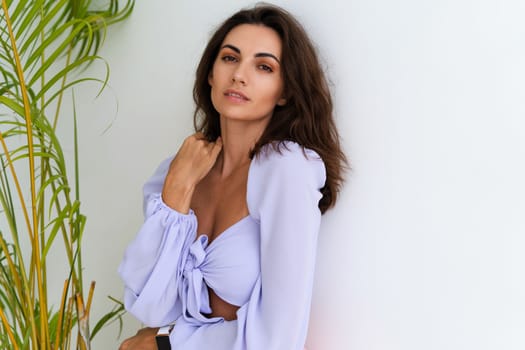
45	47
115	315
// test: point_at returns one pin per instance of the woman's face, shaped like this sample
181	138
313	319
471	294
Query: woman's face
246	81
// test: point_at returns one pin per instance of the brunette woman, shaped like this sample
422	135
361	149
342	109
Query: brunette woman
225	258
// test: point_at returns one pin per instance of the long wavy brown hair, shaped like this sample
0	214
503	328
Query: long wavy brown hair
307	116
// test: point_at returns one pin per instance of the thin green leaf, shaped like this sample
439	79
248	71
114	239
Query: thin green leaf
57	224
12	105
50	41
43	22
61	74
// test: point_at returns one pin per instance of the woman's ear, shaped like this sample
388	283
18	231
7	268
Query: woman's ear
210	79
281	102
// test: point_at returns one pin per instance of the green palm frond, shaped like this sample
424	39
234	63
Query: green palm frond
45	47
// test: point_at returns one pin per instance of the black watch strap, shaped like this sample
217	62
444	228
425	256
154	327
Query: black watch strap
163	342
163	338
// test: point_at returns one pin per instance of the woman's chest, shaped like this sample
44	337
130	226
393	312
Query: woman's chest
218	205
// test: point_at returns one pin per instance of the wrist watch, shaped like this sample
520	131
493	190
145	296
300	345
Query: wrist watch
163	338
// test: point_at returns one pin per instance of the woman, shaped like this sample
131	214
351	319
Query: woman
227	249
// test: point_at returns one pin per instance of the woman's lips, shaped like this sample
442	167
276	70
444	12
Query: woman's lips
236	96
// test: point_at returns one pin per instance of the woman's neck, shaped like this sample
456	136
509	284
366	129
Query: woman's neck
238	139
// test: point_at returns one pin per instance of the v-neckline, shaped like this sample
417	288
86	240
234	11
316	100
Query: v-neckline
225	231
238	222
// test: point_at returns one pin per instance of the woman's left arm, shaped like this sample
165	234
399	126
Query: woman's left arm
284	196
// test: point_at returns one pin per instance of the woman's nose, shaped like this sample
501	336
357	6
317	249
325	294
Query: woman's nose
239	75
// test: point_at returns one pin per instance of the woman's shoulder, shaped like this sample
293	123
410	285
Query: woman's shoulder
283	170
279	151
288	157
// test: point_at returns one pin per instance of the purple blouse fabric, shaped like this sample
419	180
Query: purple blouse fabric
264	263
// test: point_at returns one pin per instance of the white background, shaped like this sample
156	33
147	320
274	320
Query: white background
425	249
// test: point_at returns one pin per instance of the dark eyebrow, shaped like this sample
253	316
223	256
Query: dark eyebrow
236	49
265	54
260	54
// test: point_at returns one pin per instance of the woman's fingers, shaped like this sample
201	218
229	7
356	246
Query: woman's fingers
199	136
143	340
215	149
196	157
193	162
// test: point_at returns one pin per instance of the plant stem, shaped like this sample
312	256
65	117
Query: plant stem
43	161
6	326
35	239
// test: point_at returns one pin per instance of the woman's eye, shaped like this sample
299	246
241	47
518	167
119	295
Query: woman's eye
229	58
266	68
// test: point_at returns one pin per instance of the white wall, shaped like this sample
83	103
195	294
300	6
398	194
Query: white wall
425	248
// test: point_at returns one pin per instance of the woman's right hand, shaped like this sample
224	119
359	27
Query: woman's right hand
192	163
143	340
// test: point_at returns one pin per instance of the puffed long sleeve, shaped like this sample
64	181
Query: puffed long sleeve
152	265
283	195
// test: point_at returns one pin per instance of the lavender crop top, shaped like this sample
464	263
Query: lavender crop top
264	263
